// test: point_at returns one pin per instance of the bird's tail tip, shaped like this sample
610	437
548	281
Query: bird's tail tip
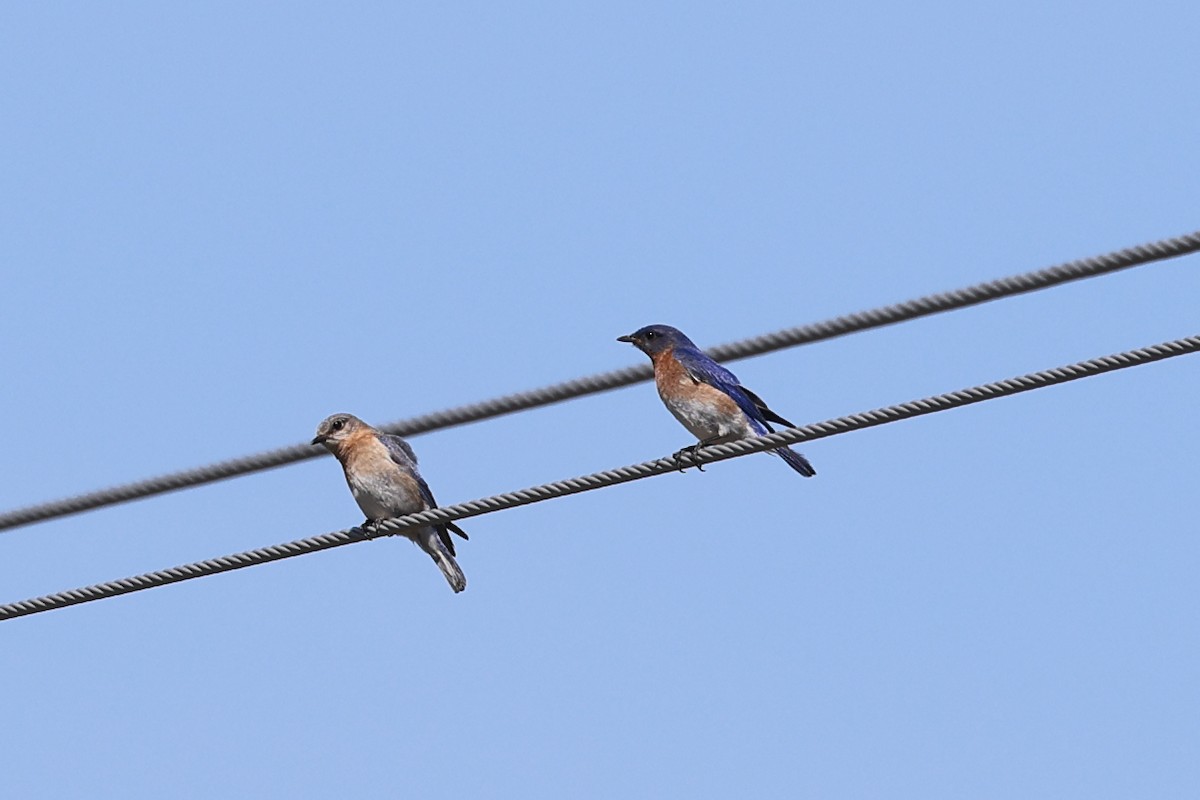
454	575
797	462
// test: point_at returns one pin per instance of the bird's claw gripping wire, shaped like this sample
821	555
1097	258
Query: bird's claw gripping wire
691	450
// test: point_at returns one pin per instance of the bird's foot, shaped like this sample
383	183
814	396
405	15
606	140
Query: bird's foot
691	450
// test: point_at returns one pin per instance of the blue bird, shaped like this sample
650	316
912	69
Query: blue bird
707	398
381	470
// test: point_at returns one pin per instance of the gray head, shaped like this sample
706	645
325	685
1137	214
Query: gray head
654	339
337	428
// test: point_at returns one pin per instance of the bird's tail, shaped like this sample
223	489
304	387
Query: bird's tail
796	461
450	568
431	543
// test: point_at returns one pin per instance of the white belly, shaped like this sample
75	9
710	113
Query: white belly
706	422
381	499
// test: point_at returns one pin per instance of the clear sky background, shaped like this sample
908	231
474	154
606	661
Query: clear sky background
220	222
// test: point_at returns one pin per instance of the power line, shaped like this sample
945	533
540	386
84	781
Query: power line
615	379
599	480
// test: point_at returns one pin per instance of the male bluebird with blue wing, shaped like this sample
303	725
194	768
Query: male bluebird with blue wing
382	472
707	398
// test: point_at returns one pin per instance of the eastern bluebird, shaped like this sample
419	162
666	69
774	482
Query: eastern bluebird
382	472
706	397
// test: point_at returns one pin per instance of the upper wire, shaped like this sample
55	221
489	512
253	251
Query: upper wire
605	381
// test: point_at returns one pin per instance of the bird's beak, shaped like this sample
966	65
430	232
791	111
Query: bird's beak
628	339
318	439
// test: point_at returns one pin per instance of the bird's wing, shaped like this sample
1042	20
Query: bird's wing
402	453
767	413
703	369
399	450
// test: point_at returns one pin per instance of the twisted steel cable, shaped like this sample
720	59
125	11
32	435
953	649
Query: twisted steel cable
599	480
615	379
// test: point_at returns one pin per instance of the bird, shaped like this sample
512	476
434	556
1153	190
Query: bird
381	470
707	398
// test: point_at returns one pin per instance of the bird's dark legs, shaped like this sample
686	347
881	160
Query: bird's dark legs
678	457
692	450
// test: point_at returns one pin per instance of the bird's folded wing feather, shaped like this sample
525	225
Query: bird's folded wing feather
402	453
704	370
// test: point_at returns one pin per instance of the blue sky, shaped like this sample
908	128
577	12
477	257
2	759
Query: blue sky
221	222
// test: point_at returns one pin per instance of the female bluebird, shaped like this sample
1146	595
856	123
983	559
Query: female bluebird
707	398
382	472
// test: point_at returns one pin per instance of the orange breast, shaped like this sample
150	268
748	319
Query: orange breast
669	375
362	451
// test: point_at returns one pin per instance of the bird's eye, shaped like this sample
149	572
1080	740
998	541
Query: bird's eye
338	424
650	334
